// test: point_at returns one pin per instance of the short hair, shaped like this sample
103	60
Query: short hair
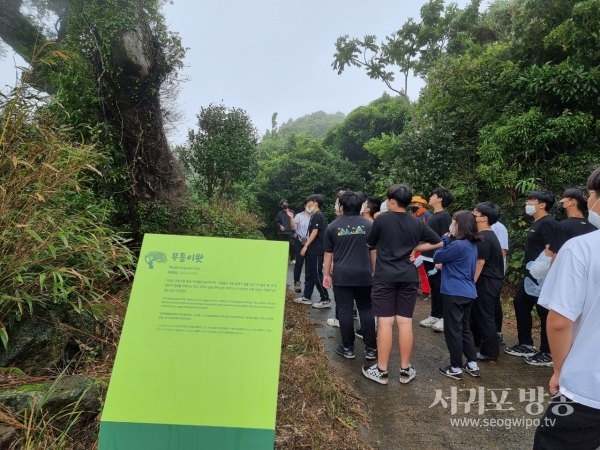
374	205
401	193
543	196
489	210
579	196
339	194
362	196
316	198
593	182
445	195
283	200
466	226
351	203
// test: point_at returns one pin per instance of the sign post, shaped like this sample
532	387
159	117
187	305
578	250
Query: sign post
198	361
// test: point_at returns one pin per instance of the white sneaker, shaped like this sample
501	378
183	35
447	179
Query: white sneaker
303	300
292	262
429	322
333	323
439	325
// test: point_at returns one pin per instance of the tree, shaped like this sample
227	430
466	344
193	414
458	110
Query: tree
222	152
122	55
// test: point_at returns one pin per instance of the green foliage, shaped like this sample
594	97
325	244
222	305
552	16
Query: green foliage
316	125
55	249
222	152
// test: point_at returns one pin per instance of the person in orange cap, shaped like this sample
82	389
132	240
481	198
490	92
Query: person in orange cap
418	208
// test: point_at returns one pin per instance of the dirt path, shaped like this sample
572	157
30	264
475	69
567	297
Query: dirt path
406	416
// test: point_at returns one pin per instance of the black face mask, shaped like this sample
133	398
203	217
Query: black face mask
285	206
415	208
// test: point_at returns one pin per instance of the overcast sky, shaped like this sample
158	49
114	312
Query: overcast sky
269	56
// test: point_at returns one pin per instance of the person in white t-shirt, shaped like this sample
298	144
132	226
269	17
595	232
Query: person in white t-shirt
572	295
502	234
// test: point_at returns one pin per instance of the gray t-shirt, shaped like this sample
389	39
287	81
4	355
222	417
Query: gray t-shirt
572	289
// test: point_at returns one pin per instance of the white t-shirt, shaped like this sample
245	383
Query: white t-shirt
572	289
502	235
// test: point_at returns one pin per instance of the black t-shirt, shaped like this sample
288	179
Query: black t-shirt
317	222
569	228
394	235
490	250
540	234
440	223
346	238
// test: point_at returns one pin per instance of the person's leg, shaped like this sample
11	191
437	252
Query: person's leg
435	284
543	313
406	299
299	260
558	430
425	289
319	281
344	299
362	295
473	324
453	322
310	275
383	308
405	340
292	249
498	313
468	347
484	315
524	304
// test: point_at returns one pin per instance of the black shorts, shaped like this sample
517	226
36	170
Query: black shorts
394	299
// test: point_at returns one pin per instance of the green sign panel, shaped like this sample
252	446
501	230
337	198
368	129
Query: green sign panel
198	361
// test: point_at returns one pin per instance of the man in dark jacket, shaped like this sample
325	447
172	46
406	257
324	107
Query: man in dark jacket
286	226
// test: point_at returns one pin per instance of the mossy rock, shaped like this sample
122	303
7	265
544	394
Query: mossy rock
11	371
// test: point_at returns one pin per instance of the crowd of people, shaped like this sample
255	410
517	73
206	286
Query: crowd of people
378	256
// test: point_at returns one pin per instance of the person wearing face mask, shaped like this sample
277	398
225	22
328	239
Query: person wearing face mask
538	240
459	258
286	226
417	206
571	294
573	205
300	237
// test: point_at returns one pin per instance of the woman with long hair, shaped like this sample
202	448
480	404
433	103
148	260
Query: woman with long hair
459	259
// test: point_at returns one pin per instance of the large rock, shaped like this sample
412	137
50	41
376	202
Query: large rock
36	343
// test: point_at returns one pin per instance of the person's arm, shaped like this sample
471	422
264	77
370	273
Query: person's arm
373	254
504	253
427	247
560	337
279	222
312	237
327	270
449	252
479	268
292	221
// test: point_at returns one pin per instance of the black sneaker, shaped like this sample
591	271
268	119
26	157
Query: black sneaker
344	351
482	357
451	372
521	350
373	373
540	359
358	333
501	342
371	353
322	304
473	372
406	375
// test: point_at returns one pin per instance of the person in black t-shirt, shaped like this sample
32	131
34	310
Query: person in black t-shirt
538	240
395	236
313	252
439	222
574	206
489	275
346	246
286	226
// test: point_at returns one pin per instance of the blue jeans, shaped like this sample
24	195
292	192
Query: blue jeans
313	276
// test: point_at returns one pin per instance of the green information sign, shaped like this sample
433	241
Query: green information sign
198	361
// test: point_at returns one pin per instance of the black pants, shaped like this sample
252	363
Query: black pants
559	430
290	239
435	283
457	312
499	314
524	304
299	259
344	300
483	316
313	276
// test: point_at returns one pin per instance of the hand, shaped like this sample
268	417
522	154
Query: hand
412	256
303	251
289	213
438	266
554	386
327	282
281	227
448	234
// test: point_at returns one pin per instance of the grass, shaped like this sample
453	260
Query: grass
315	408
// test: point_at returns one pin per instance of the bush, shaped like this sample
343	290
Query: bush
55	250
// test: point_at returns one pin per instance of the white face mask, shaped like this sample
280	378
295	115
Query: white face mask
530	210
452	230
384	207
362	209
594	217
337	207
310	209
